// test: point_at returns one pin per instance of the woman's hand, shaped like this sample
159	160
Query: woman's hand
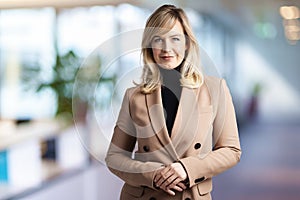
170	178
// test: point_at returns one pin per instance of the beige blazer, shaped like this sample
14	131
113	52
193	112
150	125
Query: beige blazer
204	139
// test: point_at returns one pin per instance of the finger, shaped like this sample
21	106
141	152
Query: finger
181	185
177	188
174	183
170	192
161	181
160	173
168	181
165	177
156	177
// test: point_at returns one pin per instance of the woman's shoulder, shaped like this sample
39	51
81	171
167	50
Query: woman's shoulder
212	81
135	89
133	92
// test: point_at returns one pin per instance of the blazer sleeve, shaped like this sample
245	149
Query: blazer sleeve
226	149
119	157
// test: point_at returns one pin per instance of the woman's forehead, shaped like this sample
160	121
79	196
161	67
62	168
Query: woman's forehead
177	29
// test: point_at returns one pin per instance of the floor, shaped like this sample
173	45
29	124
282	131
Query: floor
269	168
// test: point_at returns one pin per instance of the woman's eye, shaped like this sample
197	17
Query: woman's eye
157	40
176	39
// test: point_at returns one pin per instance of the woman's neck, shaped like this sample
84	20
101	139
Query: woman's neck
171	79
170	76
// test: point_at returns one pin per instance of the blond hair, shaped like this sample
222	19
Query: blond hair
162	20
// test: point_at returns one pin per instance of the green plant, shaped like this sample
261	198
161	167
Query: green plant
257	87
64	73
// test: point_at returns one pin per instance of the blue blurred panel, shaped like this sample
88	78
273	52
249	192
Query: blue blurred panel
3	166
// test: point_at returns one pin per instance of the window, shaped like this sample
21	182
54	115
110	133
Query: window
25	39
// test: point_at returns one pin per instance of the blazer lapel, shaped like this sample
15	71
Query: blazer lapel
185	107
185	121
157	119
193	118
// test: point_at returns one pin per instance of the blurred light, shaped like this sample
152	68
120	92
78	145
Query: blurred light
269	30
265	30
291	22
258	29
292	30
292	35
289	12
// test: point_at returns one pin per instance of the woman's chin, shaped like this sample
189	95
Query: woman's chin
169	67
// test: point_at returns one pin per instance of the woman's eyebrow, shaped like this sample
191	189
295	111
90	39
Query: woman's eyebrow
160	36
176	35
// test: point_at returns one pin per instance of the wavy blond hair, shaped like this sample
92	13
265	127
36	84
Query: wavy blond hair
161	21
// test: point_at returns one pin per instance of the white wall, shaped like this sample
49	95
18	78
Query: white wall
279	100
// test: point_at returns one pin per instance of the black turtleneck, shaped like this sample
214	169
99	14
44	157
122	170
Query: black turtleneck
170	93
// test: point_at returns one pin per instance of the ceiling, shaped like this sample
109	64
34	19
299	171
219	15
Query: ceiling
241	15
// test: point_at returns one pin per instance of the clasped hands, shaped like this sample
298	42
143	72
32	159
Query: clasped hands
170	178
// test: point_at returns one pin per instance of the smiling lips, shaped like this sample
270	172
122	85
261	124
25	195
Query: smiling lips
166	57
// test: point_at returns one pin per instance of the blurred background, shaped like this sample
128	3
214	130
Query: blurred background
49	150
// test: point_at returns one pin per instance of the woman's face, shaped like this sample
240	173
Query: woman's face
169	49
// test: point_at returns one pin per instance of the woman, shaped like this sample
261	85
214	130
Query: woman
181	122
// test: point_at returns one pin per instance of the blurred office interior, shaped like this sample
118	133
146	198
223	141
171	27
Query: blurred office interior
57	116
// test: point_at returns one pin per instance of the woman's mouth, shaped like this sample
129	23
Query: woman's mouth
167	57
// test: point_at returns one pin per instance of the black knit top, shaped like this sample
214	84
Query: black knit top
170	93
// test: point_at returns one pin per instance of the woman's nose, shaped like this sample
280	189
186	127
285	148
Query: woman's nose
166	46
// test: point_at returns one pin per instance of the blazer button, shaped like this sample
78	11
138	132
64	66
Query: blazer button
197	145
198	180
152	198
146	148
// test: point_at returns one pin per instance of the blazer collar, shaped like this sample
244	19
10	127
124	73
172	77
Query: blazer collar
156	115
